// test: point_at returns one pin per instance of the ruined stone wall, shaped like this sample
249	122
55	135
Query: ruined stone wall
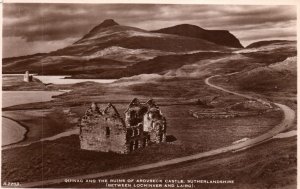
158	131
102	133
148	123
135	113
94	137
136	138
155	123
106	131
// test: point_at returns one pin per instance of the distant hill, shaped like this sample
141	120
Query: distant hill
270	51
267	43
220	37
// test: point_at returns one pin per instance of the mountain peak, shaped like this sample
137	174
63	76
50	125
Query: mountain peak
108	23
105	24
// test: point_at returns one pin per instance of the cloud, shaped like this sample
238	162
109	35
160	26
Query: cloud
38	23
17	46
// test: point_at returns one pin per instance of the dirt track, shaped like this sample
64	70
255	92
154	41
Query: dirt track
289	116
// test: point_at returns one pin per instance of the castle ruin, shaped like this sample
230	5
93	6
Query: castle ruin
27	77
106	130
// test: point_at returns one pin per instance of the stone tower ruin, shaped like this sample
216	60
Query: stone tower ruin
27	77
106	130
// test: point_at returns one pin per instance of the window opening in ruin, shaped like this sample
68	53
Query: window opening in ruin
160	137
107	131
136	144
131	148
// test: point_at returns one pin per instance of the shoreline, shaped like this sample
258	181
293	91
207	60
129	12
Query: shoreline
24	138
36	129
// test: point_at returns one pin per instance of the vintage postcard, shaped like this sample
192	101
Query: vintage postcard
135	94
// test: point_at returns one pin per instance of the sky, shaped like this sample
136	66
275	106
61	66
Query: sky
34	28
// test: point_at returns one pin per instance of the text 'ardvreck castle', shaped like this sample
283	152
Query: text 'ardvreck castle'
106	130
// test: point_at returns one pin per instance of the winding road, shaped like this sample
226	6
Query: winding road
289	116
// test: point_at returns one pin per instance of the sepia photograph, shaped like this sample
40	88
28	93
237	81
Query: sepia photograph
149	95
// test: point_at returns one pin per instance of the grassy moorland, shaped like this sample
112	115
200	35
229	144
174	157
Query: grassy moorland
46	159
177	90
176	98
270	165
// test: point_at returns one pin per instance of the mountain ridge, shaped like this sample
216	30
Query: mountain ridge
110	33
220	37
111	43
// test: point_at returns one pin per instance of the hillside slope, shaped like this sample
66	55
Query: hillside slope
280	76
128	37
270	51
